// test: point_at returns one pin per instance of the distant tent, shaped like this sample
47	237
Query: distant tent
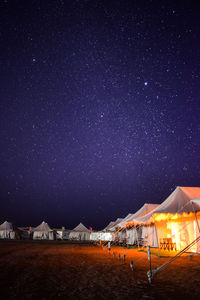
109	226
114	224
131	235
8	231
62	233
123	221
80	233
144	210
101	235
43	232
110	229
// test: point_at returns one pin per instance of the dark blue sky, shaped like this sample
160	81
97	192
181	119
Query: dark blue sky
100	107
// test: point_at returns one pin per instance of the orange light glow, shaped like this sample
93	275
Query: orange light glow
181	229
164	217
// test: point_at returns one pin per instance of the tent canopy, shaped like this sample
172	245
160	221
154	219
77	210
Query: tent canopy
42	227
115	224
110	225
81	228
145	209
196	203
6	226
177	202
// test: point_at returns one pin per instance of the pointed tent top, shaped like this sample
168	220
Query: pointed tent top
191	192
178	201
80	227
6	226
42	227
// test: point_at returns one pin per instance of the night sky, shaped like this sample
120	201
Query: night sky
100	107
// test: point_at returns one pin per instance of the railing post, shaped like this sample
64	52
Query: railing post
149	273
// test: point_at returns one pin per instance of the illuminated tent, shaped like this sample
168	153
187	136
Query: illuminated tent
123	221
172	224
8	231
114	224
111	226
105	234
43	232
145	209
80	233
129	235
101	235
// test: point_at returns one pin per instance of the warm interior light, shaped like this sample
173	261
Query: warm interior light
179	229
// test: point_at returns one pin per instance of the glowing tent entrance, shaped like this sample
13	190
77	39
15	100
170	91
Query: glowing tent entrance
174	220
177	232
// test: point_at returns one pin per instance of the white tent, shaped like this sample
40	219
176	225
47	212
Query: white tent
172	223
114	224
80	233
145	209
101	235
43	232
105	234
130	236
123	221
111	226
178	202
7	231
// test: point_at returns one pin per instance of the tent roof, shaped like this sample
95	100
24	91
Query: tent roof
177	202
80	228
196	203
6	226
109	225
123	221
145	209
115	224
42	227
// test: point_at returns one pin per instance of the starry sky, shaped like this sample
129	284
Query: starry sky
100	107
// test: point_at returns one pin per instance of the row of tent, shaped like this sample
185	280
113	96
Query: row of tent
171	225
43	232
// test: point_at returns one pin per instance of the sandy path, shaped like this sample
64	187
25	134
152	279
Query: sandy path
41	270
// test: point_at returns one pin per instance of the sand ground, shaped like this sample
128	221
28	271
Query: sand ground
57	270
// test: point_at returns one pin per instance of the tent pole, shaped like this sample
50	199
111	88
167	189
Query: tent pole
137	237
196	221
196	217
148	234
157	238
126	238
149	274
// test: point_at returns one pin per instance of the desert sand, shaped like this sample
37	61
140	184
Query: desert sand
58	270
